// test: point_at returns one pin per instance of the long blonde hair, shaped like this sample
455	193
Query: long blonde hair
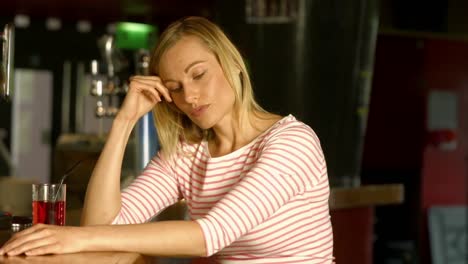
171	123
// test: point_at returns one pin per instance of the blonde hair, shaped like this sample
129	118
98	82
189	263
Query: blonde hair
172	124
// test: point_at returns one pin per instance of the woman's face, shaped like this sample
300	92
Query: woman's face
196	82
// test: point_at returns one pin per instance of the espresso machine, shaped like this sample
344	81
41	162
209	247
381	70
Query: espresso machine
109	86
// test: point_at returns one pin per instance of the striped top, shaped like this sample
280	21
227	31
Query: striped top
266	202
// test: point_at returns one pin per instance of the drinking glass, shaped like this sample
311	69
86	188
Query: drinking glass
48	203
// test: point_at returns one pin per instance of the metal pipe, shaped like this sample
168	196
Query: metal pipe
8	37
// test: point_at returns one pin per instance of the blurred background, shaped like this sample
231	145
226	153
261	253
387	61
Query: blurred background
384	84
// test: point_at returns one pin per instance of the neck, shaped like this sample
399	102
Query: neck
229	135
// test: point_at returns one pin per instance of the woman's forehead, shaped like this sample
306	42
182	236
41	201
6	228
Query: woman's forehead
183	52
187	45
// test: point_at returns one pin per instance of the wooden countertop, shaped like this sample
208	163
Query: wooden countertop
85	257
100	258
366	195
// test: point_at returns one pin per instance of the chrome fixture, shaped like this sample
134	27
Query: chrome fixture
6	76
108	87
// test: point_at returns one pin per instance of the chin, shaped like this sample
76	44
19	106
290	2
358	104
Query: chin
203	125
204	122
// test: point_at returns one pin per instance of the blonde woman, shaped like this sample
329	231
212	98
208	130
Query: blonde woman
255	183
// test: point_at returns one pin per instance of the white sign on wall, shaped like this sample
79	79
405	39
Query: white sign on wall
31	124
442	119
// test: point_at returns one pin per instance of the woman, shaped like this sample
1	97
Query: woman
255	183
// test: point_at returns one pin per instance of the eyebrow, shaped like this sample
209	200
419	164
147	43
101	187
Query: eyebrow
186	69
192	64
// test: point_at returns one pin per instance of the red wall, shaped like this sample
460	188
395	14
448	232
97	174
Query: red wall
396	113
406	70
444	173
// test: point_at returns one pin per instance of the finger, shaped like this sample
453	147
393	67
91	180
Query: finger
19	235
150	86
31	246
146	77
154	98
18	240
146	90
157	84
42	250
164	91
8	245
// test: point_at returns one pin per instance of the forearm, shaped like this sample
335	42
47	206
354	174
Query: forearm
166	238
102	201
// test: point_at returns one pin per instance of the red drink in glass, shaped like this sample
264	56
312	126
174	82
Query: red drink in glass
49	204
52	213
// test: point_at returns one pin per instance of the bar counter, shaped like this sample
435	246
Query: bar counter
100	258
85	257
352	216
366	195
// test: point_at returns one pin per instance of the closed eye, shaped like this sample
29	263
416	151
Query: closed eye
199	76
177	89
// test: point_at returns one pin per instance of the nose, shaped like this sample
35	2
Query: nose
191	94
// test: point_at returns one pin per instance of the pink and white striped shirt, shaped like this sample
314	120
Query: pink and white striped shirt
266	202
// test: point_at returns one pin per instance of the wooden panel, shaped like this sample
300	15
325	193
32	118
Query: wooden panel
369	195
85	257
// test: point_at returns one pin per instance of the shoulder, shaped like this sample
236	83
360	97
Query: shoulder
293	138
292	147
289	128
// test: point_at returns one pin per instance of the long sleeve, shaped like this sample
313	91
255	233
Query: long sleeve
290	164
155	189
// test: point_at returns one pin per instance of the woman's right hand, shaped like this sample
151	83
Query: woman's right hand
143	94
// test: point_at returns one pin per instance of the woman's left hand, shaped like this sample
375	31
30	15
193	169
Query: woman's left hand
43	239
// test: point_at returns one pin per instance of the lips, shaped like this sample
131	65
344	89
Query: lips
196	112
